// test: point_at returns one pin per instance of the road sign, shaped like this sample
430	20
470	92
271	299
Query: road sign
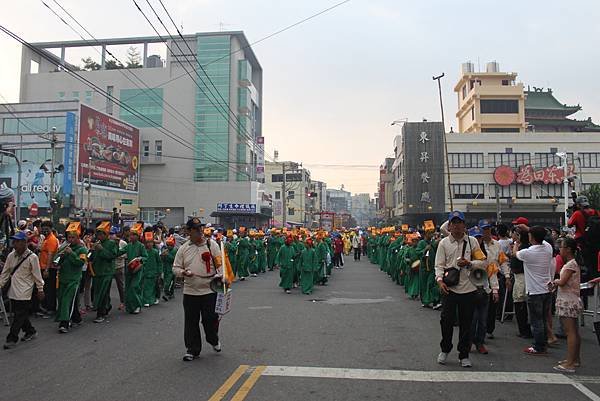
33	210
126	201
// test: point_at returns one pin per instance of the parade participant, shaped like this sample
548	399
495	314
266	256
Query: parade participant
22	269
253	263
274	243
168	256
261	253
338	248
243	255
309	263
356	247
103	260
136	254
120	263
347	243
151	272
285	261
71	260
198	261
426	249
322	250
457	252
231	247
299	247
49	271
394	249
410	268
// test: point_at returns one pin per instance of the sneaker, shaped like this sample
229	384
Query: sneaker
146	305
190	357
465	363
482	349
254	275
442	358
63	330
165	298
425	306
29	337
437	307
217	347
10	344
156	302
533	351
99	319
137	310
242	278
288	292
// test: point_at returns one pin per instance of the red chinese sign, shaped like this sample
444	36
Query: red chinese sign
114	148
527	175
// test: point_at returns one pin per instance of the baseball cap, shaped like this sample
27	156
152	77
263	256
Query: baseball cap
20	236
457	214
483	224
475	232
194	222
582	201
521	220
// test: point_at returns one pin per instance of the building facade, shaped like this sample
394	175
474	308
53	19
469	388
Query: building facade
290	196
385	207
361	209
201	131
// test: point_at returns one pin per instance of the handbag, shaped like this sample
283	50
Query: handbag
451	275
8	283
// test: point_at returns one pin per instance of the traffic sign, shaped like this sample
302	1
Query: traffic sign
126	201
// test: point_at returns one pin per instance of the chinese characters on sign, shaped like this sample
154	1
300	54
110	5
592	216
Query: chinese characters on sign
425	178
236	207
423	138
425	196
424	157
527	175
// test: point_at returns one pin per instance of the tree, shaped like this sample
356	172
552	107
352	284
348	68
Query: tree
113	65
90	65
133	58
593	195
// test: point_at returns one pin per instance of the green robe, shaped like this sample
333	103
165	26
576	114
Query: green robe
253	264
168	257
273	246
319	274
152	269
394	270
299	247
261	255
231	247
411	284
243	257
133	281
69	277
309	263
428	288
285	260
103	262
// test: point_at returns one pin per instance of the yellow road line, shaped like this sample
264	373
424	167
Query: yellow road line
229	383
248	384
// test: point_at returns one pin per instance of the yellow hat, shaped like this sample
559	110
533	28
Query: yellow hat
137	228
428	225
74	227
104	226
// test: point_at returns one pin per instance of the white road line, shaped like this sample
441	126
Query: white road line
431	376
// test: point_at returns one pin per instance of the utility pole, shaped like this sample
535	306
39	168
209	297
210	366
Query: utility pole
439	81
89	195
283	197
498	209
52	156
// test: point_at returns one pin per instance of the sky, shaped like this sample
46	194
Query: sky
333	85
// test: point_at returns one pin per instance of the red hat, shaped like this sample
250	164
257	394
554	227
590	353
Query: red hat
521	220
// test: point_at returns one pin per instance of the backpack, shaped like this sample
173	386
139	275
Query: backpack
591	233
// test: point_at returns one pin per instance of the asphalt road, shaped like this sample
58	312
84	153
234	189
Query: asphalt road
374	343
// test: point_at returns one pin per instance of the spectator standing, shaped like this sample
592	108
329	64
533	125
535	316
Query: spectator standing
49	248
356	247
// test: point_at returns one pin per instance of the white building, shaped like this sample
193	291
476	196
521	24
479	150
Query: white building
361	209
201	140
290	197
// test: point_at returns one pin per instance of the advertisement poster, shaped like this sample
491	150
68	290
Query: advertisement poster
114	148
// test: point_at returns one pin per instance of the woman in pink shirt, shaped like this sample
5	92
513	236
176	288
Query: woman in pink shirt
569	305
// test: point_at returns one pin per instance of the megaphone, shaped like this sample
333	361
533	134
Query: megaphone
478	276
217	284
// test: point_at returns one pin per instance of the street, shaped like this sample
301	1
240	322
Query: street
359	338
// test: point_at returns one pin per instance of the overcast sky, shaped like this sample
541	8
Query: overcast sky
333	85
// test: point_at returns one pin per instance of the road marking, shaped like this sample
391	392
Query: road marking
248	384
229	383
431	376
259	307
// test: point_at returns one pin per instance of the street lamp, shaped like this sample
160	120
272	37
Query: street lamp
19	172
563	158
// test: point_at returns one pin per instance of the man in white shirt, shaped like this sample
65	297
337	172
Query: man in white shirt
199	262
457	251
22	268
537	263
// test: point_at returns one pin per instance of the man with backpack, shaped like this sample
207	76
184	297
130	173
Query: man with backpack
587	234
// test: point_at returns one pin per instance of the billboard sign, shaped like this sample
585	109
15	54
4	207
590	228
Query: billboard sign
114	148
69	154
236	207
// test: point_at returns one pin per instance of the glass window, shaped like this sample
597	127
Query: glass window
291	211
466	160
496	106
88	97
277	194
543	160
513	160
277	178
550	191
468	191
75	95
589	160
61	95
145	149
144	102
158	150
291	195
10	126
519	191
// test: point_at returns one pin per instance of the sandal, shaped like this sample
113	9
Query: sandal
561	368
576	364
533	351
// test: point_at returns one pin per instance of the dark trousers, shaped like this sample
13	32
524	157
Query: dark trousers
20	321
480	320
491	317
356	253
465	303
337	259
195	306
50	291
539	308
364	250
522	319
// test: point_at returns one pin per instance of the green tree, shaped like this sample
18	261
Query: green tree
113	65
133	58
90	65
593	195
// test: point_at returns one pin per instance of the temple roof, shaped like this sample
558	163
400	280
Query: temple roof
538	99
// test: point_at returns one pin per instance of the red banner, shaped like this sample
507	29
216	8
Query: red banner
114	147
549	175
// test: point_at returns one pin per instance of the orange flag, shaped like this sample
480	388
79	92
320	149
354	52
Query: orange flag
228	275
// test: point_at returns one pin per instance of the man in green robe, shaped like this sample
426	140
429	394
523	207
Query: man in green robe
321	272
243	255
152	269
133	280
103	262
253	263
308	264
231	247
261	253
411	284
273	244
428	288
285	259
168	256
71	263
299	247
395	247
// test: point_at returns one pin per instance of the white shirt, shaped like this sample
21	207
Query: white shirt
189	257
537	263
448	251
25	277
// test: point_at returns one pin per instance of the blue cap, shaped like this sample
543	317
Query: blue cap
483	224
475	232
457	214
115	230
19	236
